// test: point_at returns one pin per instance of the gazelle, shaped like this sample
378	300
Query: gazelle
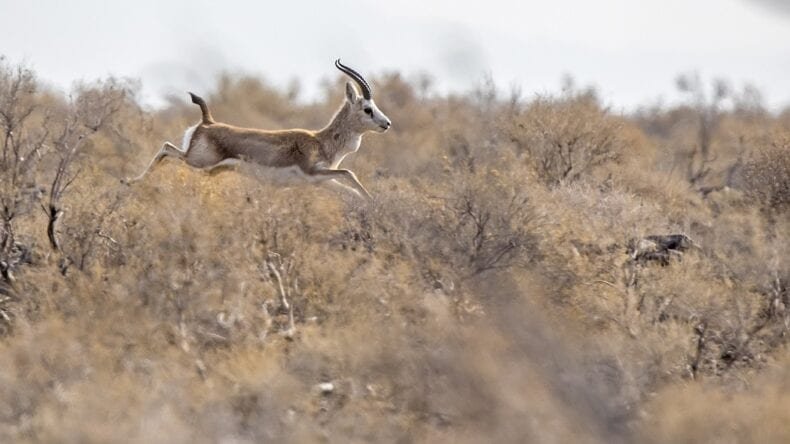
314	154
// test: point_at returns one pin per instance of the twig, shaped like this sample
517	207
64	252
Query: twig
601	281
289	333
283	297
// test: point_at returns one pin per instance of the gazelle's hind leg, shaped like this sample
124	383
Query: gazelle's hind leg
168	149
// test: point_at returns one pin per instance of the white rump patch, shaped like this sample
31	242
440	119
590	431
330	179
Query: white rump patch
188	138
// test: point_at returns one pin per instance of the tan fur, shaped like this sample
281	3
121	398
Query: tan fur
316	154
269	148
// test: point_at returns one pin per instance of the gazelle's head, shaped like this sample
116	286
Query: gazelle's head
364	112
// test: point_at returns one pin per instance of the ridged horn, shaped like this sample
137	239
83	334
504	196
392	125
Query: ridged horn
363	85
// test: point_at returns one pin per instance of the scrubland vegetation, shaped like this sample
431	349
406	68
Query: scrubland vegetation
485	295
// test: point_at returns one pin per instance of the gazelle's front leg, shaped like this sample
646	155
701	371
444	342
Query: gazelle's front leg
341	173
168	149
344	187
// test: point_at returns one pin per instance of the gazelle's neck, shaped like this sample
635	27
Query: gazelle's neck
340	137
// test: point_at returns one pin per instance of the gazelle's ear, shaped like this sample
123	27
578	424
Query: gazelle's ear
351	93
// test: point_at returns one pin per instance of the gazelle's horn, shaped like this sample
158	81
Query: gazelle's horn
363	85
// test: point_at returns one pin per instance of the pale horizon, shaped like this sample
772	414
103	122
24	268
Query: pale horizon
631	53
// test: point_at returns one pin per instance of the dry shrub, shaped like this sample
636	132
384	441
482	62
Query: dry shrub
724	327
471	223
491	221
23	139
710	414
566	137
480	297
766	177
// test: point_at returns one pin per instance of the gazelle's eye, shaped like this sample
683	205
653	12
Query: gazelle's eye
368	111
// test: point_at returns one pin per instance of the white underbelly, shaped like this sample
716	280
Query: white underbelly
292	175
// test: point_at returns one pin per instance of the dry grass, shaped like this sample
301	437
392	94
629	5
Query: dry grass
484	296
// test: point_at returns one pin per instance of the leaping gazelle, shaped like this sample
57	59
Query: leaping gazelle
315	154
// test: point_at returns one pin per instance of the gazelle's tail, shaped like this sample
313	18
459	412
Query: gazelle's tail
207	119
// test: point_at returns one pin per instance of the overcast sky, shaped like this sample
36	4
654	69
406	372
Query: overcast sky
630	50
